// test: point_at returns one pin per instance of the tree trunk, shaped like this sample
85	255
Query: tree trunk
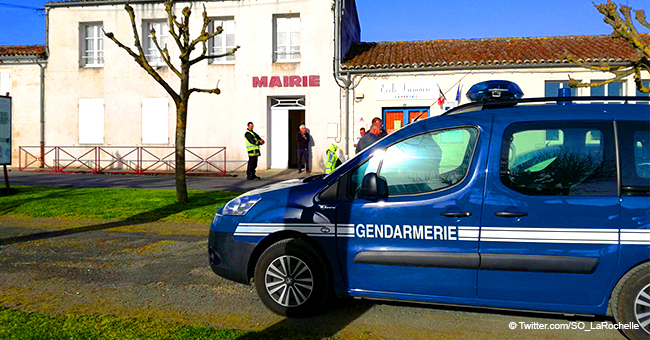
181	180
181	127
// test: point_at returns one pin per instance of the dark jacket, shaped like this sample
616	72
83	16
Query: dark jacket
303	140
251	139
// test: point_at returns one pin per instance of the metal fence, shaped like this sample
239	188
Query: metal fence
138	160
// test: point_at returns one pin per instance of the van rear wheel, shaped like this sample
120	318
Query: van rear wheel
292	279
630	302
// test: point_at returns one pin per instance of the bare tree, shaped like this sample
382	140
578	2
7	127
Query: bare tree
179	30
623	28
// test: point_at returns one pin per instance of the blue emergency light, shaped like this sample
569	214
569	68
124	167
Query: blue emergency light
494	90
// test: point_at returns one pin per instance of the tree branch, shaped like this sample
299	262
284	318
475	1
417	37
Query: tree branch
172	22
204	36
214	56
164	53
214	90
640	17
140	56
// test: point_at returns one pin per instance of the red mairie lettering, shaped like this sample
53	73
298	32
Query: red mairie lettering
260	81
286	81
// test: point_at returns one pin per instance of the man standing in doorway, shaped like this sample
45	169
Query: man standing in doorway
253	142
378	121
303	148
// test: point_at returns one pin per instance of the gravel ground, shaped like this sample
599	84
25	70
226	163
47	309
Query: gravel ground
160	271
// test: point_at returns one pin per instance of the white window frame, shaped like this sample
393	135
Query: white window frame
91	56
91	121
219	43
162	35
286	24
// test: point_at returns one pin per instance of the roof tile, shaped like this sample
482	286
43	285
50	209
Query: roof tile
492	51
16	51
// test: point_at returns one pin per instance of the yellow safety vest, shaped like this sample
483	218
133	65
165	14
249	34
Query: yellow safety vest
332	158
253	149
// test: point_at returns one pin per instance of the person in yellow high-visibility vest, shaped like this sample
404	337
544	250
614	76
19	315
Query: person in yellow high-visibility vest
332	158
253	142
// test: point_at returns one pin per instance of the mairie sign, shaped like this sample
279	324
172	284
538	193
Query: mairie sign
286	81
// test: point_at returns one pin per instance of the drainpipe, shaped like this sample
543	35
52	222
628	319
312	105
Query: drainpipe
341	81
43	65
42	125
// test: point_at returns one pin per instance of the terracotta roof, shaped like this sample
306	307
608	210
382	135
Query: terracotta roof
487	52
20	51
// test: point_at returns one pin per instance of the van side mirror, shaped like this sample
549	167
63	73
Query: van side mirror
373	187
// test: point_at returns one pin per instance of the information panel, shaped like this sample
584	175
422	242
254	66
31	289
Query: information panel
5	130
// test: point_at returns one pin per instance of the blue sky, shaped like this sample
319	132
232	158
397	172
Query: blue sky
401	20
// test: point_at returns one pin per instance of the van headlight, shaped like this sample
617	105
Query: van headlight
240	205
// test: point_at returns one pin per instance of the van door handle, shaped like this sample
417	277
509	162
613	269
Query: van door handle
510	214
456	214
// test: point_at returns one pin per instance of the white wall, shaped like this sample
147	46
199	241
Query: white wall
530	80
213	120
23	84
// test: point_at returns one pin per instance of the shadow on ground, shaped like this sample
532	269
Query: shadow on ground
150	216
325	325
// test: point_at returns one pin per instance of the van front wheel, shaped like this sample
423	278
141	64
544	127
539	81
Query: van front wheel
630	302
291	278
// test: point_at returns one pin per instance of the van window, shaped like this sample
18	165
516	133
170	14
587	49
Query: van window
424	163
559	158
642	153
634	146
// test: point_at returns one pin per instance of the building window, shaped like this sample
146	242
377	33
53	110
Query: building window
551	88
155	121
91	121
287	39
151	51
612	89
223	42
92	45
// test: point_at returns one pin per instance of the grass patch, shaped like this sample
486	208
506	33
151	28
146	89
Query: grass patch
21	325
138	205
17	325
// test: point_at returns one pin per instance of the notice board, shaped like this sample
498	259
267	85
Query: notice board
5	130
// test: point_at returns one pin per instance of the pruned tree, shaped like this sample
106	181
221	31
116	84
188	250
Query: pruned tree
624	28
179	30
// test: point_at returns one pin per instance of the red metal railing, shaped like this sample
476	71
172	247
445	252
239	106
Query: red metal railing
137	160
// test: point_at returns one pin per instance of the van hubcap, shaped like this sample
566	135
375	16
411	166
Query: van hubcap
289	281
642	308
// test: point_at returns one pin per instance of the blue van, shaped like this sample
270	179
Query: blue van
529	204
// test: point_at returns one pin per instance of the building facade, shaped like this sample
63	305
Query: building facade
281	77
22	74
289	70
403	80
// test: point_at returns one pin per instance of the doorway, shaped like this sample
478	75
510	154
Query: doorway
285	117
296	117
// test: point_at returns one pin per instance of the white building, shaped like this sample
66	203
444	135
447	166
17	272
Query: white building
280	77
22	77
401	80
283	75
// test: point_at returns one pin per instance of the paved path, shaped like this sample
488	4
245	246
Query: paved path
160	271
166	182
